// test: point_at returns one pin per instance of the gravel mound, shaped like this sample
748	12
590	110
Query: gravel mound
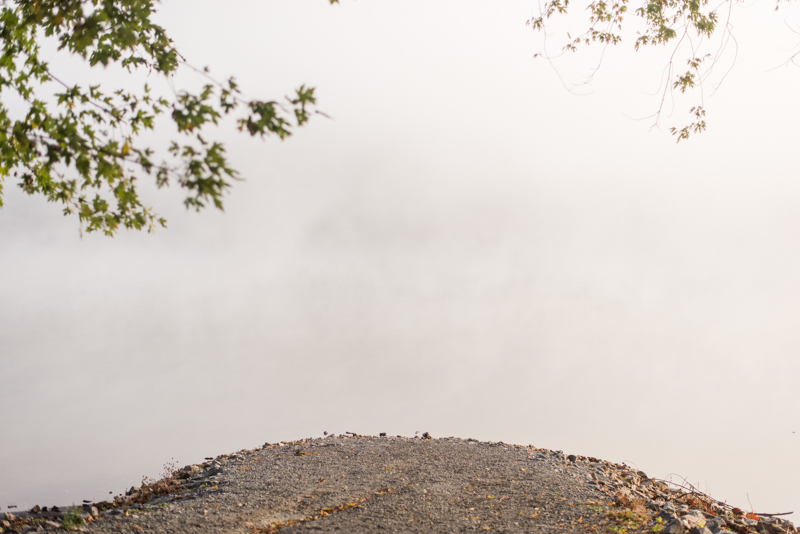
358	484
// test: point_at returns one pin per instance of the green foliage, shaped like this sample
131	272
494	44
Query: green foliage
72	518
78	145
665	22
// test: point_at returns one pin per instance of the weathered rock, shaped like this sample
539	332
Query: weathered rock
36	509
8	516
694	520
426	435
51	524
674	527
652	505
716	525
572	458
189	471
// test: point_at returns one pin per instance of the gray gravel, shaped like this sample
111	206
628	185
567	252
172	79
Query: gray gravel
394	484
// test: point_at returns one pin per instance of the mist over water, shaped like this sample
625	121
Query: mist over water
465	249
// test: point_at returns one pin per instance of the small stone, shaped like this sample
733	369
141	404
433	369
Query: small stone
715	525
95	512
673	527
54	509
51	524
8	516
694	519
189	471
36	509
382	434
5	523
131	491
669	507
426	435
572	458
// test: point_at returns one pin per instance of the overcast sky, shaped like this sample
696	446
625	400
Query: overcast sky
466	248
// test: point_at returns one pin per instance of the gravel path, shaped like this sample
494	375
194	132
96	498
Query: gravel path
395	484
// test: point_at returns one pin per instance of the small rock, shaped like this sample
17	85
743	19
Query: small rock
51	524
36	509
673	527
382	434
5	523
8	516
95	512
572	458
694	520
716	525
189	471
131	491
426	435
652	505
54	509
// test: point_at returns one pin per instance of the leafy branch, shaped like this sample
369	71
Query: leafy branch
78	145
680	23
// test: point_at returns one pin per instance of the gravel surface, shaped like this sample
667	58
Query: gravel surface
396	484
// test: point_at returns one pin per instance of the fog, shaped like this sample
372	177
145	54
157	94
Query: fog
465	247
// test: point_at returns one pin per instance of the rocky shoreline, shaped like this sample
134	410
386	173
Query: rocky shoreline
375	483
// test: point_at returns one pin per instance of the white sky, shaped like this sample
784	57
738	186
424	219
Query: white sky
466	248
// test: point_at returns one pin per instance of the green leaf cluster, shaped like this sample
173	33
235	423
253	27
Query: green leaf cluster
78	145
